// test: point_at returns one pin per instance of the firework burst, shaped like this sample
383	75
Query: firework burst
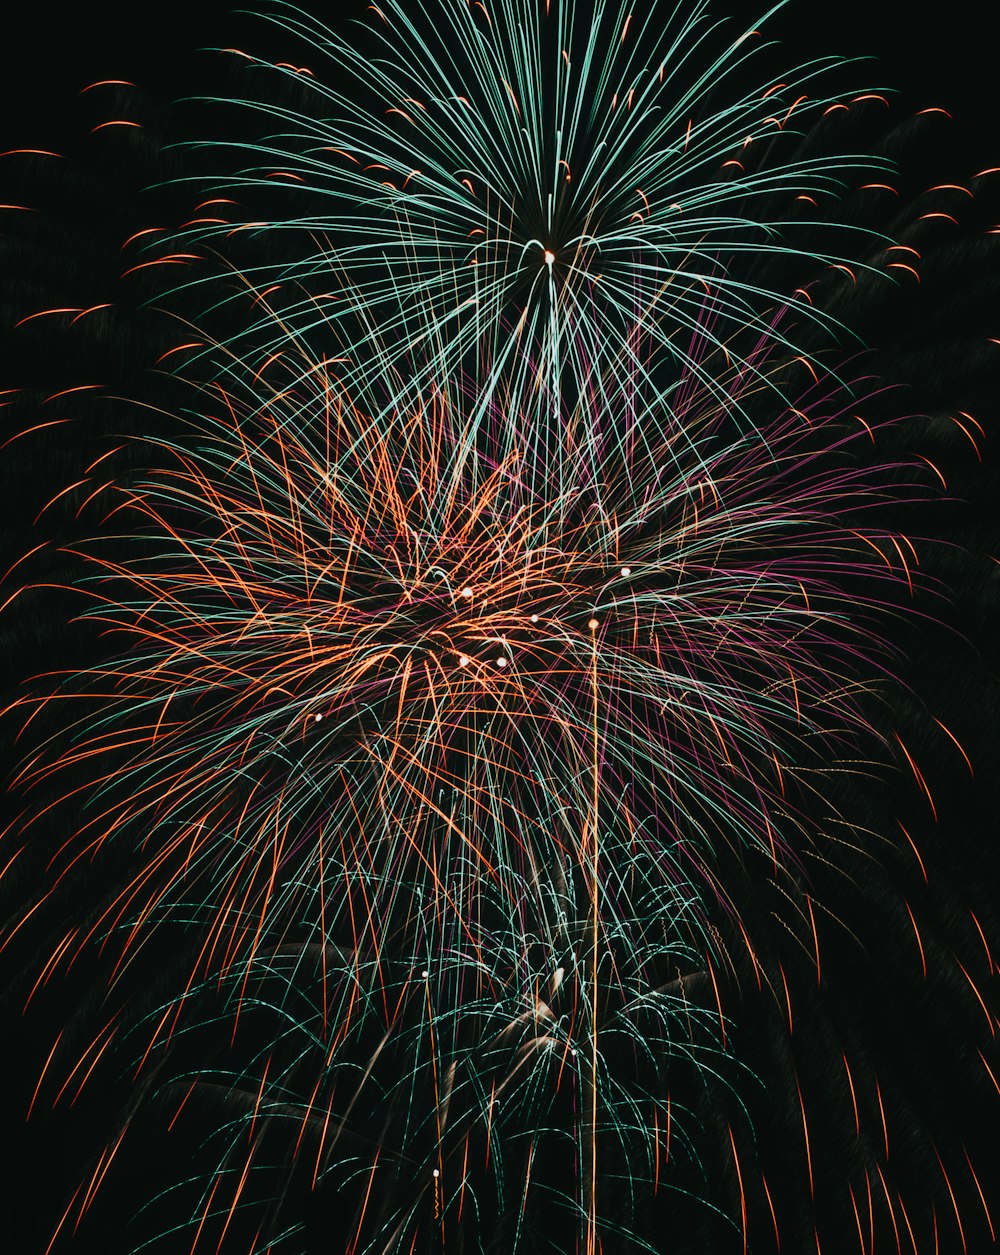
489	752
549	195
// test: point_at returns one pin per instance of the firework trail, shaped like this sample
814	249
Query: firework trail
488	650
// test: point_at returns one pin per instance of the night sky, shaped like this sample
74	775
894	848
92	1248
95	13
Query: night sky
941	57
949	668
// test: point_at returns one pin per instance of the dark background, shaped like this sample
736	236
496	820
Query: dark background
948	60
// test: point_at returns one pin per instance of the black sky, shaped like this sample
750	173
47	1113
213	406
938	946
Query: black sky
948	57
50	55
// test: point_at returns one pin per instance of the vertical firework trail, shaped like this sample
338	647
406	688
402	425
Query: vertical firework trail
468	828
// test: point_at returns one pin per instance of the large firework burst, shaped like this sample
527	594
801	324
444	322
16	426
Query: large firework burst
384	691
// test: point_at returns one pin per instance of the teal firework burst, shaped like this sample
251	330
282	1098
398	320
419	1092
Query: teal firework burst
554	194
